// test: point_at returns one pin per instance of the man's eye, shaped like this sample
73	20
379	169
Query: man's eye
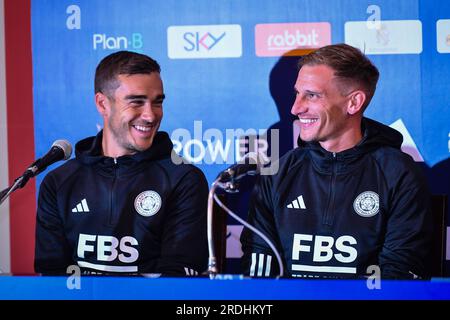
137	103
158	103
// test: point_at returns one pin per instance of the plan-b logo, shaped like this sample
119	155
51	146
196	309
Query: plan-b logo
202	42
212	146
277	39
103	41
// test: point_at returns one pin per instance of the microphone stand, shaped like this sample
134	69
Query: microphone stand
230	186
18	183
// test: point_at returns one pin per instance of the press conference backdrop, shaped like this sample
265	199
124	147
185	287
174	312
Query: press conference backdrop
229	68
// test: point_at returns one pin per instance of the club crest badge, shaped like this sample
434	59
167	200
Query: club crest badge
147	203
367	204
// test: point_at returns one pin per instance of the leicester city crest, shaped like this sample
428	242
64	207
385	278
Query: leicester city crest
367	204
147	203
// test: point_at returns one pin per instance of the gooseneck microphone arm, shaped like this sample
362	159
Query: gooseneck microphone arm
259	233
212	261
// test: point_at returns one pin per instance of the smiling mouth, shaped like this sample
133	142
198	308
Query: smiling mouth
143	128
308	121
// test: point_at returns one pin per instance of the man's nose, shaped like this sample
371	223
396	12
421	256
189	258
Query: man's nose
298	106
148	112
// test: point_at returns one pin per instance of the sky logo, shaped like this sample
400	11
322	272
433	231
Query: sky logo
203	42
197	42
293	39
105	42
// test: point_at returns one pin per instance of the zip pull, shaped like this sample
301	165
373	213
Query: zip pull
334	155
115	160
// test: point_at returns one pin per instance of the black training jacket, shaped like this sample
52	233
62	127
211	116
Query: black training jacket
130	215
342	215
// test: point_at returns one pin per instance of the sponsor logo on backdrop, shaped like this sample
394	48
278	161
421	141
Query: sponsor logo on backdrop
390	37
212	146
203	42
277	39
103	41
443	35
408	145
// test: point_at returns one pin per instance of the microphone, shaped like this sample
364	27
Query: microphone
250	164
61	149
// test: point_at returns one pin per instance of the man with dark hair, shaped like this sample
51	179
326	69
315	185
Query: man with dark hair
122	206
347	202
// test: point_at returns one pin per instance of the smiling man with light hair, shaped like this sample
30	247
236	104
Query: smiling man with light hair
347	197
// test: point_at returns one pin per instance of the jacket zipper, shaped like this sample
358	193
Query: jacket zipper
111	197
329	215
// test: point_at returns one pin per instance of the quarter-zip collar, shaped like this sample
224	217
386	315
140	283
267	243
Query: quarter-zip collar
89	152
375	135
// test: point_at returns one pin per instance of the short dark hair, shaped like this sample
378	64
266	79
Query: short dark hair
121	62
350	65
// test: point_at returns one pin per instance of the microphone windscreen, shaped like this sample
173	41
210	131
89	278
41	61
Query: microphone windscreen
65	146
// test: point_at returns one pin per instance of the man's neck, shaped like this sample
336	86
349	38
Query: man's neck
347	139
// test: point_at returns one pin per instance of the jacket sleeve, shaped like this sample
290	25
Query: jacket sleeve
52	252
184	247
409	228
258	258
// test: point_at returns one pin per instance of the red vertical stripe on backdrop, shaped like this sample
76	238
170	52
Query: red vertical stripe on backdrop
19	106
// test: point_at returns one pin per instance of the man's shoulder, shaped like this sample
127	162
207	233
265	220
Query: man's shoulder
392	155
61	173
395	161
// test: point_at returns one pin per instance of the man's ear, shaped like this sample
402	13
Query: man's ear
356	101
103	104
